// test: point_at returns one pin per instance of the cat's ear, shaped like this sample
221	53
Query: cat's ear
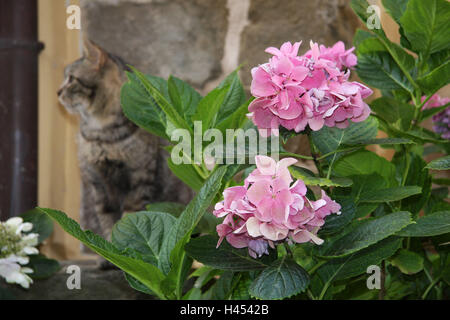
96	55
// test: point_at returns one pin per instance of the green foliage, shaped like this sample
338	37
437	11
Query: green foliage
365	234
42	224
283	279
431	225
408	262
389	208
225	257
440	164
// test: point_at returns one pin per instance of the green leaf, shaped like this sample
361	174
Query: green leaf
391	194
331	139
426	24
235	97
43	267
394	112
283	279
416	176
382	141
42	224
173	261
142	109
190	217
379	69
209	106
431	225
173	208
225	257
396	8
439	164
137	285
144	272
143	232
408	262
357	263
436	79
311	180
169	110
237	119
224	286
366	234
187	174
365	163
184	98
334	222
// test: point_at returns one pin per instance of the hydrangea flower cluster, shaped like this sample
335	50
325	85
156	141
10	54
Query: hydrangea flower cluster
271	208
312	90
441	121
15	247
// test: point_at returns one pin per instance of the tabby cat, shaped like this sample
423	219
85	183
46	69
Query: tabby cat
123	167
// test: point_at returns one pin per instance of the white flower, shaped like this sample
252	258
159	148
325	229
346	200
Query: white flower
15	248
13	272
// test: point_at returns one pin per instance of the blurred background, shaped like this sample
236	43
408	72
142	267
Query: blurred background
199	41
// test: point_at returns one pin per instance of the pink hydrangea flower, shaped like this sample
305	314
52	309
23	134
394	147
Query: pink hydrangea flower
296	91
435	101
441	121
271	207
337	53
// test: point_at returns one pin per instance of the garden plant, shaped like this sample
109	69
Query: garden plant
261	225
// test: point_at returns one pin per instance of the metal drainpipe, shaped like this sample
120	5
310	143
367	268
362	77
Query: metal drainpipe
19	49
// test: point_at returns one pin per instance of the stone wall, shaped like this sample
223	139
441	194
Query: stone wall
203	40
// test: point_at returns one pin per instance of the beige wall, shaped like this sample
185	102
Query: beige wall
58	175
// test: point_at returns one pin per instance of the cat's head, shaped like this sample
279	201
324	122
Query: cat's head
92	83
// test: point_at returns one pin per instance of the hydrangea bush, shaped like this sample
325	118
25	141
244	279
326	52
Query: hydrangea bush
253	225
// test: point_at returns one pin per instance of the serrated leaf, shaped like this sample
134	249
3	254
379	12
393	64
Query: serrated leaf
366	234
225	257
379	69
408	262
173	208
426	24
169	110
431	225
391	194
146	273
435	79
143	232
365	163
394	112
235	96
209	107
439	164
334	223
137	285
357	263
142	109
311	180
283	279
187	174
192	215
396	8
183	97
381	141
331	139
